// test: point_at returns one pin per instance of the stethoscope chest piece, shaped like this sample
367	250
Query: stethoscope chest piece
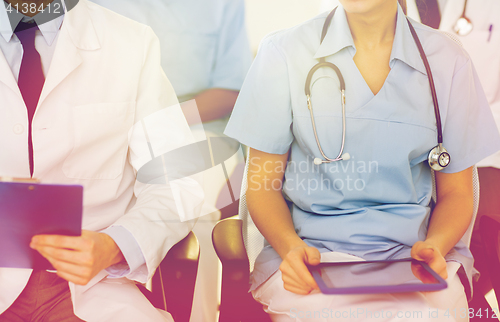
463	26
439	158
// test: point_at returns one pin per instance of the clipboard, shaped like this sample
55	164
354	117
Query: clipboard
27	209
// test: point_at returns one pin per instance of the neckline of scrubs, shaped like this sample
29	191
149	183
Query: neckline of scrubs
398	53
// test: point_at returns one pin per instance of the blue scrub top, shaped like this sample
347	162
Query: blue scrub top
375	205
204	43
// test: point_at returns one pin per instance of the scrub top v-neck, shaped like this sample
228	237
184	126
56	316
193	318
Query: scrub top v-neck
375	205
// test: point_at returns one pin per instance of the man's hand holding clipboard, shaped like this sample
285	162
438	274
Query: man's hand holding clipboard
78	259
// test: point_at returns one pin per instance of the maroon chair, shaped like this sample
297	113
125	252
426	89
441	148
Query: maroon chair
490	235
174	280
237	304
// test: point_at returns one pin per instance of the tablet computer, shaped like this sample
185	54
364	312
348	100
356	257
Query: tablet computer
28	209
370	277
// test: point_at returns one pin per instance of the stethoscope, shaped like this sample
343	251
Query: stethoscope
438	157
463	26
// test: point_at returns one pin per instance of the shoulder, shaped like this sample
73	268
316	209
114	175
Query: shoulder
305	35
440	46
111	25
231	3
229	10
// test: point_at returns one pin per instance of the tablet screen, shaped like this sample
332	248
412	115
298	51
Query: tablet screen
376	277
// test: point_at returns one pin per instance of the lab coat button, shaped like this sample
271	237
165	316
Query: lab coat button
18	128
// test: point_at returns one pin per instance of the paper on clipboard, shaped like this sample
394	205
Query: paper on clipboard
27	209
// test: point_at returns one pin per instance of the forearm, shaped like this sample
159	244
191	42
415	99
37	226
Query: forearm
266	204
272	217
449	222
212	104
453	212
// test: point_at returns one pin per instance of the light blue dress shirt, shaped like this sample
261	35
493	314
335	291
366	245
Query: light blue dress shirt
375	205
204	44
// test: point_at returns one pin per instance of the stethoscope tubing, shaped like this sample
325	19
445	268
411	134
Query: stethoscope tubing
431	83
309	106
322	63
465	9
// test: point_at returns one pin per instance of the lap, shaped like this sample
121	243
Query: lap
117	300
46	298
284	306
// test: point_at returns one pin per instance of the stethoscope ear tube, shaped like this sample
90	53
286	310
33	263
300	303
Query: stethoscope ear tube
323	63
318	66
431	83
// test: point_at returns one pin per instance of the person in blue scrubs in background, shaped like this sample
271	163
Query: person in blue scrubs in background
374	205
205	54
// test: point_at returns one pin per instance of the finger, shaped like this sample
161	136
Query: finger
444	274
85	273
296	290
439	266
434	259
422	274
66	275
288	280
415	269
73	278
313	256
287	270
426	255
66	255
303	273
59	241
416	248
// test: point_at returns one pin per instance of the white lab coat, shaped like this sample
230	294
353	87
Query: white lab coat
105	76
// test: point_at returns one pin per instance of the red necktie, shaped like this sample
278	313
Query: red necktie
31	77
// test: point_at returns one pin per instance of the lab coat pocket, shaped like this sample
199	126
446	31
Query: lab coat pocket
100	140
483	46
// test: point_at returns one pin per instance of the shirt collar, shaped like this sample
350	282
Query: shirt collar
48	29
340	39
403	48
